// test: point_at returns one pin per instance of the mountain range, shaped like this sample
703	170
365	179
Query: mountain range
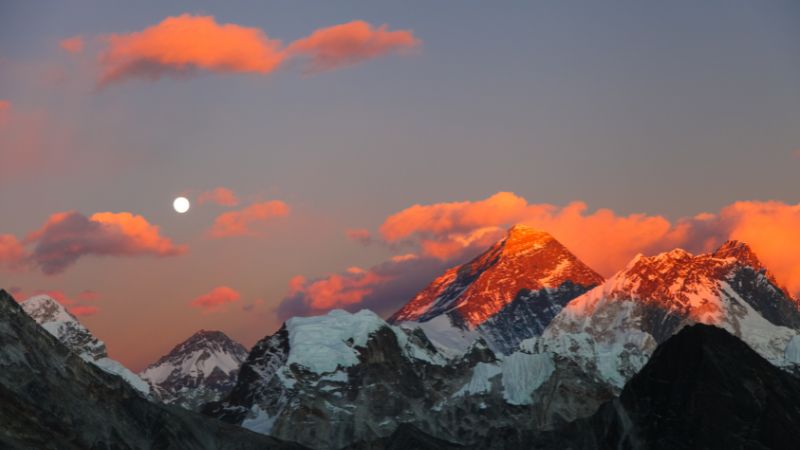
524	346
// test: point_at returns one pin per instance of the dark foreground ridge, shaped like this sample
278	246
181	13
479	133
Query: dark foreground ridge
51	399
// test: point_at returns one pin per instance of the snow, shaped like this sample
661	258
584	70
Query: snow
480	382
523	374
261	422
198	364
115	368
792	352
54	318
449	340
323	343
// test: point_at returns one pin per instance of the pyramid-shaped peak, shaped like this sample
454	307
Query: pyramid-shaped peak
44	308
522	231
739	250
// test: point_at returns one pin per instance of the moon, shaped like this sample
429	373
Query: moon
181	205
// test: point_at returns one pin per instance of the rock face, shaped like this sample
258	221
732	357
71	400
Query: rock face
509	293
197	371
703	388
53	399
332	380
54	318
612	330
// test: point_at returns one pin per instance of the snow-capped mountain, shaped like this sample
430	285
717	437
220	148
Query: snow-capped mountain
199	370
507	294
613	329
59	322
54	399
332	380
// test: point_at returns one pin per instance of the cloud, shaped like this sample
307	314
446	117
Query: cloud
12	252
220	196
383	288
360	235
448	234
186	44
797	153
603	239
350	43
68	236
216	300
248	221
72	44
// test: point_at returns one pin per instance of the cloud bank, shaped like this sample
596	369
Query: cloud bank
185	45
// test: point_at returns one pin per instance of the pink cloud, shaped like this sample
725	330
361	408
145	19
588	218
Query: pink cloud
72	44
12	253
220	196
248	221
216	300
350	43
68	236
185	44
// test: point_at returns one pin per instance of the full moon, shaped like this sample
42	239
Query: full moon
181	204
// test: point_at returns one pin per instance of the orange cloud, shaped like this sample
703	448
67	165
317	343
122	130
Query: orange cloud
606	241
350	43
382	288
12	253
72	44
182	45
772	229
216	300
68	236
247	221
220	196
602	239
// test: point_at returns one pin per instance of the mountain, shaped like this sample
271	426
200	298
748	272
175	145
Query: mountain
702	388
53	399
332	380
509	293
199	370
613	329
54	318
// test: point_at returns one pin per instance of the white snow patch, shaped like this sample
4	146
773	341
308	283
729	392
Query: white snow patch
323	343
523	374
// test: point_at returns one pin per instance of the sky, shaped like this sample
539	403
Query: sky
342	154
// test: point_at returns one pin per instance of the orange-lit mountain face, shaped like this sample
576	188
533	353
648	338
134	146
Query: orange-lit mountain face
526	260
511	291
690	285
616	326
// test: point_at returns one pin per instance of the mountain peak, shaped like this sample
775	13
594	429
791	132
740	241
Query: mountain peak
198	370
512	290
523	238
55	318
739	250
